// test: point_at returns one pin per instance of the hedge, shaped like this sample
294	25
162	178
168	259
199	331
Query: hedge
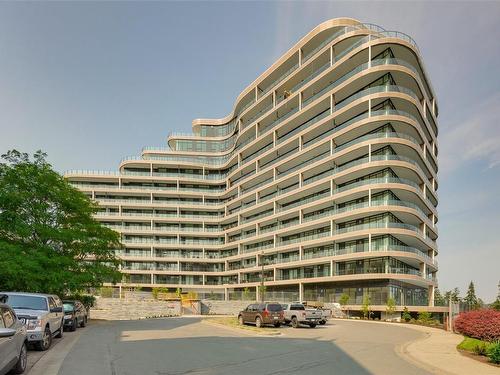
481	324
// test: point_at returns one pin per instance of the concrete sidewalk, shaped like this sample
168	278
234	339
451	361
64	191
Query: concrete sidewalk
437	353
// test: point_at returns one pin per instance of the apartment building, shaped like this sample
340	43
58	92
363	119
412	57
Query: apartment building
321	181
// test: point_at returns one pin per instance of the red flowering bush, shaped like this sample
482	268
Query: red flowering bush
481	324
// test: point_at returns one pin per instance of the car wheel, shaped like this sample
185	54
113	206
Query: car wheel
74	325
60	330
277	325
22	361
240	320
46	341
312	325
83	323
323	322
258	322
295	322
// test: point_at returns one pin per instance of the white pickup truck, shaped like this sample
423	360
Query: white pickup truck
296	314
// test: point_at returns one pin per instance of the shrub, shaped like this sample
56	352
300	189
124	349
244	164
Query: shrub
424	317
480	349
481	324
106	292
157	291
87	300
494	352
406	315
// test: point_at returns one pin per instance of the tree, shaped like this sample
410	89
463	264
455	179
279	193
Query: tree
366	306
406	314
453	295
496	305
49	240
391	306
470	298
344	299
438	298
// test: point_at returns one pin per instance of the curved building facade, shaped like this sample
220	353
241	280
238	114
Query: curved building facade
322	181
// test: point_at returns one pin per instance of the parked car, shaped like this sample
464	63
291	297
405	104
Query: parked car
42	313
296	314
13	342
260	314
75	314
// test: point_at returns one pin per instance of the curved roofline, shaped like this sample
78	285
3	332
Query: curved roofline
335	22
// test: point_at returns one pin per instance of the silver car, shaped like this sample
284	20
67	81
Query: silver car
13	355
42	313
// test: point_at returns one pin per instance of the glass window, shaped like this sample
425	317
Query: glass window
274	307
27	302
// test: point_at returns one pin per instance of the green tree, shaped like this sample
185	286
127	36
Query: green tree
344	300
406	314
496	305
453	295
246	294
470	298
49	240
366	306
391	306
438	298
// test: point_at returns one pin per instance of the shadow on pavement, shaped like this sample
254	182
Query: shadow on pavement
190	348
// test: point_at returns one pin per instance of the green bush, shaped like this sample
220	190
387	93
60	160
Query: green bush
106	292
87	300
424	317
406	315
494	352
480	349
156	291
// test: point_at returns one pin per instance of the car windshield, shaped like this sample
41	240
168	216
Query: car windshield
68	307
26	302
297	307
274	307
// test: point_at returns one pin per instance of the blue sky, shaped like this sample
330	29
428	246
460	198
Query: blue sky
90	83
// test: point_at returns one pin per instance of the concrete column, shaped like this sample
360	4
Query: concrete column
226	295
431	295
369	242
370	56
301	292
332	263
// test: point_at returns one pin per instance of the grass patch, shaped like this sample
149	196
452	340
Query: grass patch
472	345
233	322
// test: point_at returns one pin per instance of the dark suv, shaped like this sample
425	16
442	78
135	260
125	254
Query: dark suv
262	313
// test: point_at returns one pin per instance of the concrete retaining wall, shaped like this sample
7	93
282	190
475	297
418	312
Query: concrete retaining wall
130	309
209	307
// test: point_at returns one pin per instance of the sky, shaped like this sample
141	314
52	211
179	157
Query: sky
92	82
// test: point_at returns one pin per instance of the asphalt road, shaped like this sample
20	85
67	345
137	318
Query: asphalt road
187	346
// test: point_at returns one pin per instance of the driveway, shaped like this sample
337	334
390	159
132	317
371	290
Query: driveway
177	346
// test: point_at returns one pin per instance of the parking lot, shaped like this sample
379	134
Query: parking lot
177	346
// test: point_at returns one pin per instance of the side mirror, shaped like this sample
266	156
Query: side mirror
56	310
7	332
